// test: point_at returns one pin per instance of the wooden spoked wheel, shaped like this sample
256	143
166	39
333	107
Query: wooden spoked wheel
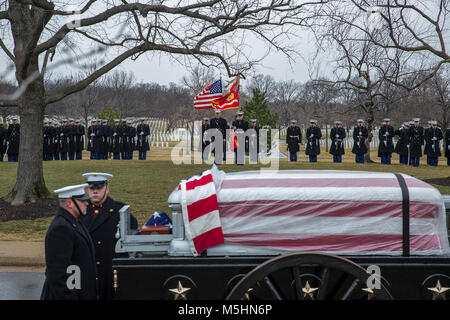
305	275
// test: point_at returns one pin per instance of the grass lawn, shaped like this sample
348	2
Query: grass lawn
146	185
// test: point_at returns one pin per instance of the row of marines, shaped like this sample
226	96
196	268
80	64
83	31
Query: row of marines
412	136
66	142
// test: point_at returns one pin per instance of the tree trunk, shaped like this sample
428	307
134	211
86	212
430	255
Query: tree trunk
30	183
370	120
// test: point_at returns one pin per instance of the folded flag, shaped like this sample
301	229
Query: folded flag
159	219
200	212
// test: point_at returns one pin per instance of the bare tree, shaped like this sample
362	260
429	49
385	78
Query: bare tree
43	33
118	98
266	84
319	101
368	71
419	28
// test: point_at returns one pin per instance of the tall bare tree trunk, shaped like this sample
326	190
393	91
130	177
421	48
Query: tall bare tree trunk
30	183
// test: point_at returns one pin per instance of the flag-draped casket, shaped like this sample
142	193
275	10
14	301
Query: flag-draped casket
341	212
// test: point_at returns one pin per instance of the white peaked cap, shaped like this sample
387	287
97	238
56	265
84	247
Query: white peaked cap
76	191
97	176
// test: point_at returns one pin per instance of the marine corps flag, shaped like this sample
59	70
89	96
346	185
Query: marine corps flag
230	100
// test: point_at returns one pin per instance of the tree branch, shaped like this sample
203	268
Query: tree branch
5	49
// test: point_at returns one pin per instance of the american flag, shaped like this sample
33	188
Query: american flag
210	93
200	212
340	212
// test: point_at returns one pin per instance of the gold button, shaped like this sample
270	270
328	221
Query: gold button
96	211
99	242
98	262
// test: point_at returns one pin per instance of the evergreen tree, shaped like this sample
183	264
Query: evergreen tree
258	108
109	114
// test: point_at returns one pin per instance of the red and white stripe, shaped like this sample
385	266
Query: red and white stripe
200	212
344	212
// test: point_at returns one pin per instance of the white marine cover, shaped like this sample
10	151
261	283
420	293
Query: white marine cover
341	212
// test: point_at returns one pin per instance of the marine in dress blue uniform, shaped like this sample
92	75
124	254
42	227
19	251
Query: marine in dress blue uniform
386	144
221	125
415	142
293	140
102	219
79	140
313	136
433	137
401	147
337	135
69	251
360	135
142	132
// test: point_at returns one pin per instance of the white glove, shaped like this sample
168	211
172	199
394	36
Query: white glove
434	139
62	134
337	136
115	134
141	133
312	135
92	134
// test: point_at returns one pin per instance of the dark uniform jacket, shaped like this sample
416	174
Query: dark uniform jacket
132	137
49	140
433	139
102	224
447	143
415	141
106	134
56	141
72	135
313	136
143	131
3	139
79	138
64	138
385	136
116	140
293	138
360	134
401	146
337	136
14	138
68	243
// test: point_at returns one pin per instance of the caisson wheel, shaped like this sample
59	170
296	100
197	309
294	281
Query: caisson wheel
305	275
